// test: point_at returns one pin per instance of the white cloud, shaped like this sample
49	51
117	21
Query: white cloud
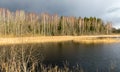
112	13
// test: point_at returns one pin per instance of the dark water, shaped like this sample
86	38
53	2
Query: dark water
90	57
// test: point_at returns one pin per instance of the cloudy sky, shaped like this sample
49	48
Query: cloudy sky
108	10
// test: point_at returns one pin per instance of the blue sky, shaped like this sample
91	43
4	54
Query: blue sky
108	10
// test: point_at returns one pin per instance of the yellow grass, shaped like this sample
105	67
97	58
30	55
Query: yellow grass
43	39
96	40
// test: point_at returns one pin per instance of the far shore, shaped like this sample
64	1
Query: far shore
45	39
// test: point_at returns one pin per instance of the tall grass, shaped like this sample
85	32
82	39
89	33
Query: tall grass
18	59
21	58
96	40
46	39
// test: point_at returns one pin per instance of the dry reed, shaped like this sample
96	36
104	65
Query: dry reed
44	39
24	59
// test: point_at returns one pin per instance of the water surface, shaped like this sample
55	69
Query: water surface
90	57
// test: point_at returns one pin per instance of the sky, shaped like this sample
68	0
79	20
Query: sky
108	10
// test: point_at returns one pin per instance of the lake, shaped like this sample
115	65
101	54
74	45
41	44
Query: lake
90	57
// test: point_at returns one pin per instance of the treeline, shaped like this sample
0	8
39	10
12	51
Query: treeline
20	23
116	31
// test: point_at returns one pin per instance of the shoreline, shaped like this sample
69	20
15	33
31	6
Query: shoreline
45	39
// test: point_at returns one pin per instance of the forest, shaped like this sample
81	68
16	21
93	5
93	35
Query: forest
21	23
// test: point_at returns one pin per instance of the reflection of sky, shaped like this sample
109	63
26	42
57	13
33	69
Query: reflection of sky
107	9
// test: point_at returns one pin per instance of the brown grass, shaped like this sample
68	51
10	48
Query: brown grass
43	39
96	40
17	59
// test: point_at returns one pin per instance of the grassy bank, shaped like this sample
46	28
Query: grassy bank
43	39
96	40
